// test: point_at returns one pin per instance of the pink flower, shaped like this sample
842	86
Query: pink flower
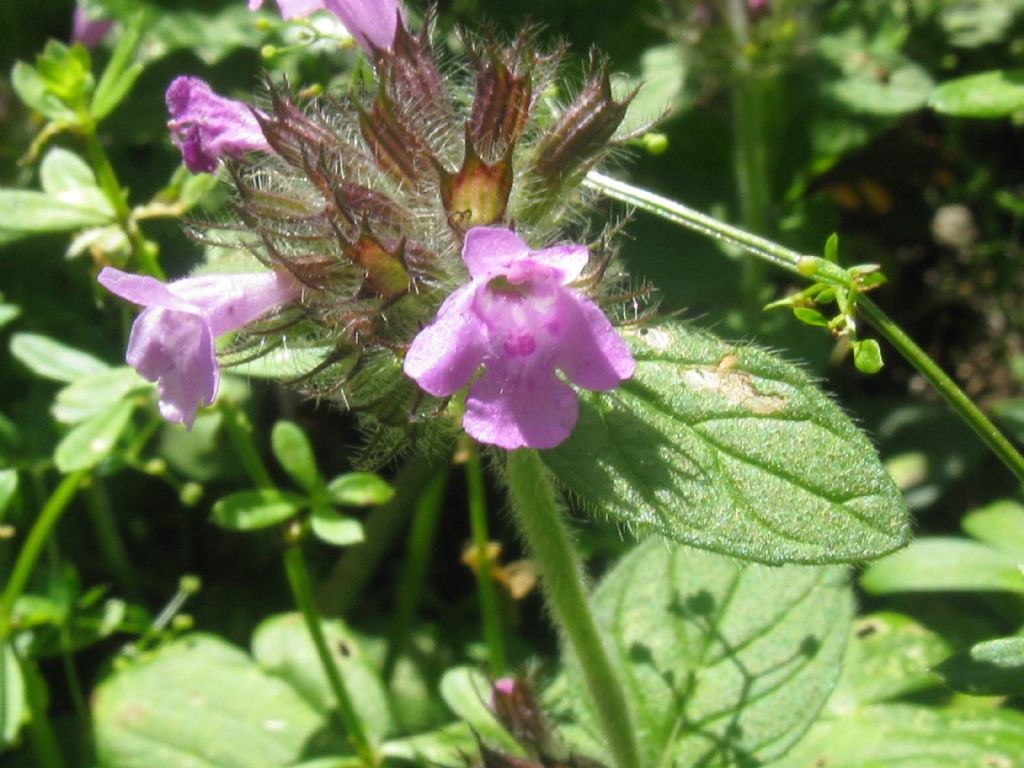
371	22
86	31
206	127
172	340
519	319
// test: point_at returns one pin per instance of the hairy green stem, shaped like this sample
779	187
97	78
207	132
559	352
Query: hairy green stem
302	590
410	586
824	272
537	513
484	582
33	547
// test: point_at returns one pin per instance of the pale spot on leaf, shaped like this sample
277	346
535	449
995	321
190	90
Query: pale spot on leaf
735	386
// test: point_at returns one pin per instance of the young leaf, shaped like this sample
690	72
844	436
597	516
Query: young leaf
1000	524
993	668
199	702
940	564
723	663
120	74
281	645
995	94
295	455
867	356
91	442
252	510
32	89
52	360
899	734
731	449
359	489
332	527
14	708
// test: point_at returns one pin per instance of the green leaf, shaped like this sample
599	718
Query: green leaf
810	316
24	212
8	312
729	448
1000	524
999	93
98	392
661	82
993	668
282	647
199	703
332	527
120	74
91	441
8	487
33	90
252	510
832	248
62	171
918	737
722	662
14	707
889	656
67	73
974	23
295	455
466	691
359	489
867	356
281	363
938	564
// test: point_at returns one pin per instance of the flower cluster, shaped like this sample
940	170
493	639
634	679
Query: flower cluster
404	212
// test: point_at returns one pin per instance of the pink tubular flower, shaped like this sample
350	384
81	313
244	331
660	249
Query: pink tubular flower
86	31
206	127
519	319
172	340
371	22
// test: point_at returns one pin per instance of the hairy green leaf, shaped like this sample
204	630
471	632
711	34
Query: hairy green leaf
723	663
911	736
729	448
992	668
200	703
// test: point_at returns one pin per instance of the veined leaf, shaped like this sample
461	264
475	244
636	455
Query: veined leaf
921	737
731	449
199	703
723	663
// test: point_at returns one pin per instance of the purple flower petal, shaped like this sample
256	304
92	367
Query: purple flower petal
520	408
597	359
492	250
371	22
141	289
445	355
229	301
175	349
86	31
207	127
568	260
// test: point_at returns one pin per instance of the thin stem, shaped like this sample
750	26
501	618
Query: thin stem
537	513
302	590
101	512
240	431
410	586
33	547
824	272
41	737
962	404
484	582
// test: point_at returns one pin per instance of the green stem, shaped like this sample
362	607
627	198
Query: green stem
240	431
101	512
37	537
962	404
41	737
537	512
302	590
410	586
484	582
824	272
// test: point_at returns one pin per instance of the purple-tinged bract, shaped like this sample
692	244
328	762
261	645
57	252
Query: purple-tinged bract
520	320
207	127
172	340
